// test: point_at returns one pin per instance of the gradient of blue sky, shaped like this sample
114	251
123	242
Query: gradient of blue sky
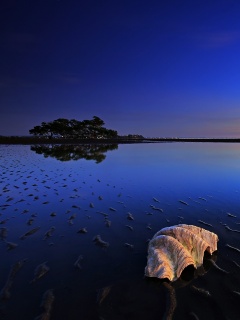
157	68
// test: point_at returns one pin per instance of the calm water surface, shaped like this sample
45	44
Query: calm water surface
81	192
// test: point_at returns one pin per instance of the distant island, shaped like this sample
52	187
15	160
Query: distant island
28	140
74	129
65	131
70	131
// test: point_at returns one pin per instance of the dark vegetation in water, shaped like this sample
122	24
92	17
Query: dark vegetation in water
75	152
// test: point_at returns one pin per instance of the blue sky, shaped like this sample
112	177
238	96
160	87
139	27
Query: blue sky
157	68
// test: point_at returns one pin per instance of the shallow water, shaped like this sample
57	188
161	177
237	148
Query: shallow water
35	182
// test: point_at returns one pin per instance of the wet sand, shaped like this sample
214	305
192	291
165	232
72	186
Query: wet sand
100	273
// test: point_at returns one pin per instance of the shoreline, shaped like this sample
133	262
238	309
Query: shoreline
35	140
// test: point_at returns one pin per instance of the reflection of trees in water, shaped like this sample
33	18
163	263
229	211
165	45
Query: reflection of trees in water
75	152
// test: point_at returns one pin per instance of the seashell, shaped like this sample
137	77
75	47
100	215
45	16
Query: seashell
174	248
210	237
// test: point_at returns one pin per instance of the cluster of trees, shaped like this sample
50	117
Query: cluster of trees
74	129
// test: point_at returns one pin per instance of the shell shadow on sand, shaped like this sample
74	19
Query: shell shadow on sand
155	297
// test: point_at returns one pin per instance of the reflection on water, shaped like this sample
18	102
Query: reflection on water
75	152
50	212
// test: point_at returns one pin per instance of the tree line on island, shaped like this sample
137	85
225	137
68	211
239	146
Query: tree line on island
74	129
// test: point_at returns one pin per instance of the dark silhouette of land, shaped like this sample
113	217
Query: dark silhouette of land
118	140
194	139
89	131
